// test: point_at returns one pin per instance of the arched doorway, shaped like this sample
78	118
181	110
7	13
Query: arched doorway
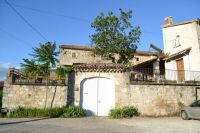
97	96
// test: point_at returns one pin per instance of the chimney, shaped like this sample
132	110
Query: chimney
168	20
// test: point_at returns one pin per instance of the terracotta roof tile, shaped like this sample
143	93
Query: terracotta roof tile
98	67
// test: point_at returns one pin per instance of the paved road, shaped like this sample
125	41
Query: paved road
99	125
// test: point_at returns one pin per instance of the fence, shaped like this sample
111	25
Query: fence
165	76
18	77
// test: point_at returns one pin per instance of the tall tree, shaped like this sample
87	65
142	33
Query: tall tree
44	57
115	36
46	54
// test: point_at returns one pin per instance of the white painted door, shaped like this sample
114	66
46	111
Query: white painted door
98	96
106	97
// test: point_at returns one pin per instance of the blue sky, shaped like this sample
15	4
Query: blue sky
69	22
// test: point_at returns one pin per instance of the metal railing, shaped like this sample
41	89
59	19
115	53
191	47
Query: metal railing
165	76
17	77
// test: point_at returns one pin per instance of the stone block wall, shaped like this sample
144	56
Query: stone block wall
71	56
151	100
157	100
34	96
121	81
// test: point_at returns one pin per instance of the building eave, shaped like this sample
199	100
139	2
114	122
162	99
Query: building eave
180	23
89	48
178	54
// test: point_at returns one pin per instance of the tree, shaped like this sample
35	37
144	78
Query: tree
46	54
62	71
115	36
44	57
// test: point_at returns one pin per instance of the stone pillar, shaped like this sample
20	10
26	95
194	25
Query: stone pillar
70	82
156	70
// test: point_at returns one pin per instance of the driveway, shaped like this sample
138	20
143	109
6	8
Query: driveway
100	125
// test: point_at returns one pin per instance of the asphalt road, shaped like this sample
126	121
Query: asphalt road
100	125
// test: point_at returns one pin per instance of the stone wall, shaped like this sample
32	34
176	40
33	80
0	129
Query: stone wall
151	100
121	81
157	100
34	96
71	56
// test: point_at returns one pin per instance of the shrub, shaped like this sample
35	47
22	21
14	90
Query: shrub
125	112
66	112
21	112
73	111
62	71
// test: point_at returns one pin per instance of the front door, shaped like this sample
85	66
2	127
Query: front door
180	70
98	96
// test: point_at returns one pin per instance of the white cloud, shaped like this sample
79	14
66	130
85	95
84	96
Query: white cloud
4	66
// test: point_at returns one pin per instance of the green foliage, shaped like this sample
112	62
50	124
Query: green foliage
180	104
31	68
73	111
45	54
43	58
125	112
1	95
66	112
62	71
34	112
115	35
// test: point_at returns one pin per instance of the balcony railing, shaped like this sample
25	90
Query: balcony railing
165	76
17	77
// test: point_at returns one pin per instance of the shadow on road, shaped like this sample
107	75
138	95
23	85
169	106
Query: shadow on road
24	121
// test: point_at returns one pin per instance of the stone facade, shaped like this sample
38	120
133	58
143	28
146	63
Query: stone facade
151	100
34	96
70	55
121	81
158	100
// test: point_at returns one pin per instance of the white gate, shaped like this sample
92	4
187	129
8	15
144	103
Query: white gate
98	96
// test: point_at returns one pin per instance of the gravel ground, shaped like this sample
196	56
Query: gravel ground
100	125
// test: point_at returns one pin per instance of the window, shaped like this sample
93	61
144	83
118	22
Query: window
196	104
176	42
73	55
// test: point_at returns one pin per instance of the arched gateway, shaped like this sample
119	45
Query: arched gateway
97	96
95	86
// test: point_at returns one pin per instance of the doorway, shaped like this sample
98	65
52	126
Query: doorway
180	70
97	96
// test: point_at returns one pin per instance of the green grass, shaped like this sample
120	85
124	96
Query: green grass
65	112
125	112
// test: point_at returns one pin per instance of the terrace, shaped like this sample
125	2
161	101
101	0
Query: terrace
18	77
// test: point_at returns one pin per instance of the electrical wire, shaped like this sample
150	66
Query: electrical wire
26	21
52	13
14	37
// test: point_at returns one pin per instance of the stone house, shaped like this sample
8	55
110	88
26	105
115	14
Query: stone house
98	85
182	45
97	81
72	54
